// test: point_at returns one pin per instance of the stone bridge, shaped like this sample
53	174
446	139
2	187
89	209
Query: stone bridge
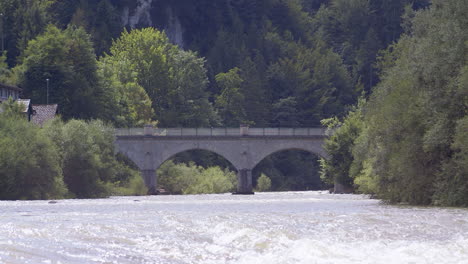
243	147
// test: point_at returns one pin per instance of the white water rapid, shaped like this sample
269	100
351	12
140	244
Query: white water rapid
292	227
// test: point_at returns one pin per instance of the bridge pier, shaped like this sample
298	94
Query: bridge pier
149	176
244	182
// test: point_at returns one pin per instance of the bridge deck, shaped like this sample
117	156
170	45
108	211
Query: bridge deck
221	132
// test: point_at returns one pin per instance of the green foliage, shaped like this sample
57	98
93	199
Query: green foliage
314	78
339	146
81	160
144	54
22	21
212	180
12	109
176	178
29	163
86	155
231	101
86	167
134	187
285	113
411	149
130	105
188	104
452	180
191	179
4	69
253	88
263	183
174	80
358	29
74	159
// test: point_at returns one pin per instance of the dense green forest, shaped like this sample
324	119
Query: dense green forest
389	77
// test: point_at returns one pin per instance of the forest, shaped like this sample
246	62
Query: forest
390	78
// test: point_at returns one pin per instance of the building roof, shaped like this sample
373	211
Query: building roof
26	103
43	113
9	87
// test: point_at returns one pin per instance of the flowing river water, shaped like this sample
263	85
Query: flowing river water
291	227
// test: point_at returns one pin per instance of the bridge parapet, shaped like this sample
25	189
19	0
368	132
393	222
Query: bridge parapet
221	132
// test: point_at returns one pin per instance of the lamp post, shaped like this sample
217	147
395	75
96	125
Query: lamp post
3	45
47	80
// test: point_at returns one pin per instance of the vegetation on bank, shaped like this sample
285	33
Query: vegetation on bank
73	159
408	143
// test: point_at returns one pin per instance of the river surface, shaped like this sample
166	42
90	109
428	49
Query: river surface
292	227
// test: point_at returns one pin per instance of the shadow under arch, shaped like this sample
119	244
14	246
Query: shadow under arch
202	157
193	155
291	169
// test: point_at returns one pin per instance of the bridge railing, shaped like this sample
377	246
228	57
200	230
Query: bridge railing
174	132
286	131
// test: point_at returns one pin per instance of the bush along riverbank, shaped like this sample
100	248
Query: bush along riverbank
73	159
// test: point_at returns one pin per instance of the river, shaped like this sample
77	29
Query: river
291	227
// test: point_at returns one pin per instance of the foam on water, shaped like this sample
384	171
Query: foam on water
297	227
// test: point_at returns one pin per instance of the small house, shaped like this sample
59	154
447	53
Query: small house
7	91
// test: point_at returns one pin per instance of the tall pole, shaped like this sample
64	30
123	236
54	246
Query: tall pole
3	45
47	80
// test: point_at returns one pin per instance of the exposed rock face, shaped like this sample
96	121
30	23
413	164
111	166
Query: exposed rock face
174	29
140	15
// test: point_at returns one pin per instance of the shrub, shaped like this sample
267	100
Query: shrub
29	163
263	183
